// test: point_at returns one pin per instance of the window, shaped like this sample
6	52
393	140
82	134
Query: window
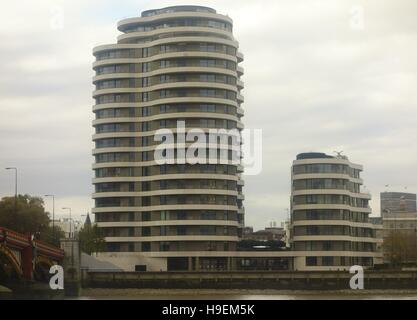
327	261
146	156
163	169
163	230
145	110
163	199
163	123
146	246
164	63
145	96
145	186
145	141
164	93
146	201
311	261
164	246
181	230
146	231
145	67
164	48
164	78
208	215
181	215
145	52
145	171
164	108
141	267
146	216
145	126
164	215
207	63
145	82
208	108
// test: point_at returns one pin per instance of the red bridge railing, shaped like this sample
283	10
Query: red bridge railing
21	241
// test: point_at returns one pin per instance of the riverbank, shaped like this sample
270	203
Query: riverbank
242	294
247	280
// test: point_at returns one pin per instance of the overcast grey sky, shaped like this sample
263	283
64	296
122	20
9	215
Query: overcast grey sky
319	76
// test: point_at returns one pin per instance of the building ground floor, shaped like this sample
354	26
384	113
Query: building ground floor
240	260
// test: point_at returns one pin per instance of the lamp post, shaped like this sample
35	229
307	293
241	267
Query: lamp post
53	214
70	220
15	187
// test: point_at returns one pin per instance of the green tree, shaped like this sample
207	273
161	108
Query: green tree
91	239
400	247
28	217
52	235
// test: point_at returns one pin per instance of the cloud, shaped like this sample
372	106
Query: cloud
313	82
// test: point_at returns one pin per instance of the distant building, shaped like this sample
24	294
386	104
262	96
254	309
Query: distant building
269	233
400	237
87	221
247	230
70	227
378	226
398	201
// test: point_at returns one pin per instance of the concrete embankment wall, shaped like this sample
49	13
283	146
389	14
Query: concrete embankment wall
317	280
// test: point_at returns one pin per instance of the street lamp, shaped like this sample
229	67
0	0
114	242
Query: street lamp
65	208
15	187
53	214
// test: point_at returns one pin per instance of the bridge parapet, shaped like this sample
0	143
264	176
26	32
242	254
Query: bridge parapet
24	252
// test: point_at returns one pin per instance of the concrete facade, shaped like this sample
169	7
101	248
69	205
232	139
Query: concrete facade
397	201
170	65
330	223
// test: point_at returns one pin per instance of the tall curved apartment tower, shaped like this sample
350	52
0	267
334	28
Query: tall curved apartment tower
172	64
330	227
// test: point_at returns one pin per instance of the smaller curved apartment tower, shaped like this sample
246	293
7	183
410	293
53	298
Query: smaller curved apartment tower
330	226
176	64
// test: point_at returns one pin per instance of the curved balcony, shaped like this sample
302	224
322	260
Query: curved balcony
240	56
168	176
331	206
305	176
326	222
335	238
240	84
167	207
178	100
240	70
126	23
157	223
331	192
168	85
178	30
158	42
176	115
173	238
162	71
165	192
166	55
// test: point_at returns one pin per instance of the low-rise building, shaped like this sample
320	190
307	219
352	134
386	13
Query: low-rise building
400	237
398	201
269	233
